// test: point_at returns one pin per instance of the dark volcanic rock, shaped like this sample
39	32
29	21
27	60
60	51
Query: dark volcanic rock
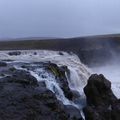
59	73
97	113
22	77
116	110
61	53
22	97
61	79
74	113
101	102
3	64
98	91
14	53
35	53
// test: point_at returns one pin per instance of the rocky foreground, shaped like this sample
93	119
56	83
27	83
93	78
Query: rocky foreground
23	97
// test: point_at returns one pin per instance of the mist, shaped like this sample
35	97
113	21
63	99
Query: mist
58	18
111	70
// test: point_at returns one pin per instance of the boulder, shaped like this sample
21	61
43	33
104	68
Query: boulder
35	53
98	91
14	53
61	53
102	104
3	64
22	77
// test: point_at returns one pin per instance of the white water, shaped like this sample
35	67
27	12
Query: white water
71	61
112	73
51	84
77	78
79	73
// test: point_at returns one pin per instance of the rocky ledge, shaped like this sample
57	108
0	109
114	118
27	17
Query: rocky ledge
23	97
102	104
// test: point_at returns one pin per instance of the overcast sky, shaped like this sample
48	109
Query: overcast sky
58	18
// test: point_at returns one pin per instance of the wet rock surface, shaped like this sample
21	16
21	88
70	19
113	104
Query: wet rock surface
3	64
23	97
59	73
98	91
14	53
101	102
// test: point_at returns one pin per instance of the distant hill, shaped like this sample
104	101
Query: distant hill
53	38
27	38
89	49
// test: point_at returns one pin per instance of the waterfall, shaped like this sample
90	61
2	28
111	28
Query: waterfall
51	84
77	74
77	79
74	82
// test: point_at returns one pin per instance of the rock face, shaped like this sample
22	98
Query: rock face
98	91
101	102
22	97
59	72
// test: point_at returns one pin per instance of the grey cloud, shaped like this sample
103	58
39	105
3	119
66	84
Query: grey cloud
58	18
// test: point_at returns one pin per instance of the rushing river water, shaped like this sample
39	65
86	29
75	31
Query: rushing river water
78	72
77	78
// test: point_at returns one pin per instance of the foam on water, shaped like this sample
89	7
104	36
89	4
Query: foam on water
77	76
78	72
70	60
51	84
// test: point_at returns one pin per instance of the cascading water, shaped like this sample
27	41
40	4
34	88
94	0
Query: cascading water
77	81
77	74
51	84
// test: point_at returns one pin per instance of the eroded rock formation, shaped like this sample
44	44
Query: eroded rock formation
102	104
